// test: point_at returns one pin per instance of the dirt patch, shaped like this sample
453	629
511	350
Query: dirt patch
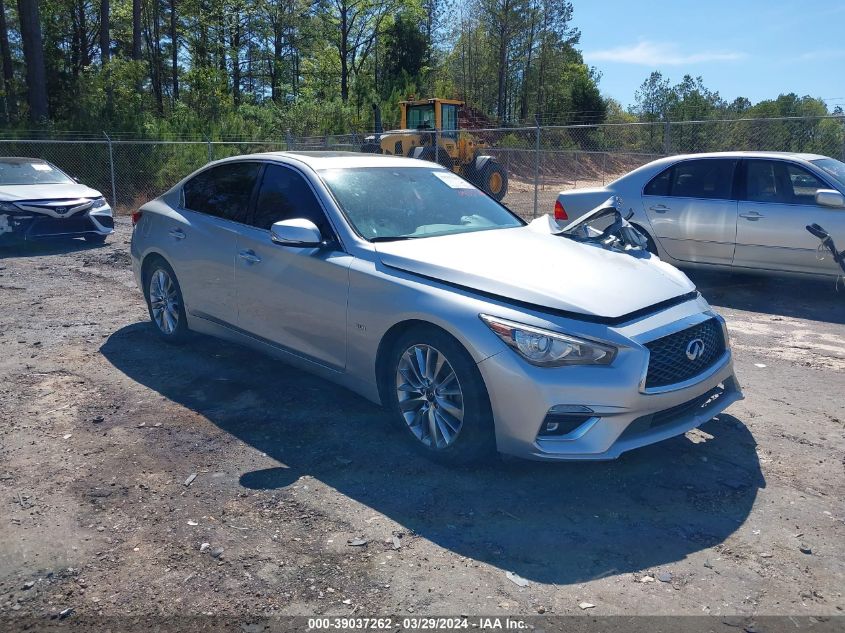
121	458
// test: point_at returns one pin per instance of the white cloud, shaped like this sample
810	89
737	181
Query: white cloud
646	53
822	55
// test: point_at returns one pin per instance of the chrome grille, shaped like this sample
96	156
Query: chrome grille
668	361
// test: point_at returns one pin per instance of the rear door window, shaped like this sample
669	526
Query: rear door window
765	181
708	179
223	191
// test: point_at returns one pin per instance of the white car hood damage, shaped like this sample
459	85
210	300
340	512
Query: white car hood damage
530	265
13	193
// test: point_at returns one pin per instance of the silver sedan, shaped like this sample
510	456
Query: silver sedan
403	282
731	210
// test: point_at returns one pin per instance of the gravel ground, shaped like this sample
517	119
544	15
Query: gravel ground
121	458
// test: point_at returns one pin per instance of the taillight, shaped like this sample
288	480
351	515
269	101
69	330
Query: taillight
136	217
560	212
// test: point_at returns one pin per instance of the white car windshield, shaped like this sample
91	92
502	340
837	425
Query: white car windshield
833	168
394	203
14	171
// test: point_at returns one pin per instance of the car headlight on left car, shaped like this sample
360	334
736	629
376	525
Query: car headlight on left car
549	349
8	207
99	203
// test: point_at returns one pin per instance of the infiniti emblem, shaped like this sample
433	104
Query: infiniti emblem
695	349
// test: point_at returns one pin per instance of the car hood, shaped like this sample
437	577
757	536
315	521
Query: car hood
533	266
73	190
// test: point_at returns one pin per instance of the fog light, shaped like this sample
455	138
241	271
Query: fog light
562	419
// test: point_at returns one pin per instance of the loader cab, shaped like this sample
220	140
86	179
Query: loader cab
431	114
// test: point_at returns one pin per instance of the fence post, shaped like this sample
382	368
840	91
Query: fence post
288	140
667	138
536	164
111	169
577	169
210	152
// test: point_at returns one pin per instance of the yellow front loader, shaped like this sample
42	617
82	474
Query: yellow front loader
430	131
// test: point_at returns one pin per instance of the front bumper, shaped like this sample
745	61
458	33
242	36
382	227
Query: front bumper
35	226
623	415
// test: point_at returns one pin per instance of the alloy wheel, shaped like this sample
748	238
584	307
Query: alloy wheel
164	301
430	396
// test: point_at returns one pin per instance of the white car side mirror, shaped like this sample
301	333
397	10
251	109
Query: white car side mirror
830	198
298	232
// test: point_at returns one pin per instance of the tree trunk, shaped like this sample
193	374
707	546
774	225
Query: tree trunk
136	30
153	33
503	54
523	106
105	40
33	52
84	50
276	63
174	44
236	61
221	40
11	108
344	54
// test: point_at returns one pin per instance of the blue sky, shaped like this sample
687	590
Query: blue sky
750	48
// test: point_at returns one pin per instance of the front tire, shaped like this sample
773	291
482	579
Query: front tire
164	302
492	178
437	395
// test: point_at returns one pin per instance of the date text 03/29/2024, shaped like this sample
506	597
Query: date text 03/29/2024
417	624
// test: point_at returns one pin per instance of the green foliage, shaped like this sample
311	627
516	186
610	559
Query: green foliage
268	68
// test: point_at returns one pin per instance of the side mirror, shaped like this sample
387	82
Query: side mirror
298	232
830	198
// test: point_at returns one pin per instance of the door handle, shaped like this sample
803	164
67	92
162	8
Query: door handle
249	256
659	208
177	234
753	216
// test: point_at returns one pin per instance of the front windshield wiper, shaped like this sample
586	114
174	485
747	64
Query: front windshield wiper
393	238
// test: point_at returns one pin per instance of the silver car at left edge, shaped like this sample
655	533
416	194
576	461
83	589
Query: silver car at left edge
401	281
38	200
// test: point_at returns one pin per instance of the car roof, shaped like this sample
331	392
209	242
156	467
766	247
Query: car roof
336	160
755	154
20	159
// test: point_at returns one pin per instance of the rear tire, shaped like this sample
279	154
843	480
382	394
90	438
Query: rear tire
437	395
164	302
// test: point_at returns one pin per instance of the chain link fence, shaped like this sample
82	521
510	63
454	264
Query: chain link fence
538	162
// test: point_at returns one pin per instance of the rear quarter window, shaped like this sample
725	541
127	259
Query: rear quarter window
659	185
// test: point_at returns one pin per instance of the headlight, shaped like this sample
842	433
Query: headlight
8	207
99	202
547	348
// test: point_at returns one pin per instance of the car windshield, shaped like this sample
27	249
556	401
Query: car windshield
833	168
393	203
24	172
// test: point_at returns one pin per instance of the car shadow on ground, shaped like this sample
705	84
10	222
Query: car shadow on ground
802	298
47	246
556	523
